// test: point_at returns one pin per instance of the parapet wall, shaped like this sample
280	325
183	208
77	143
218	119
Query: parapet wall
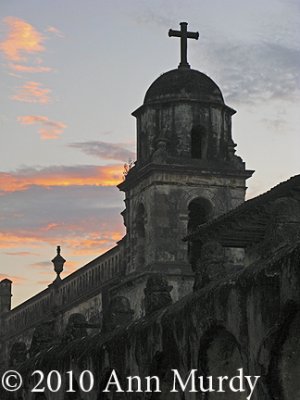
82	289
249	320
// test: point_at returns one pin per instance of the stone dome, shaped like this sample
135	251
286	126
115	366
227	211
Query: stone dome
183	84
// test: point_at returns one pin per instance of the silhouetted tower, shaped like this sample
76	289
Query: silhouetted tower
186	170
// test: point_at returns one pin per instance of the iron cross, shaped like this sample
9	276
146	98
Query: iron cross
184	36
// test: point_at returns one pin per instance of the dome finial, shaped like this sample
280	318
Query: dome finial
184	35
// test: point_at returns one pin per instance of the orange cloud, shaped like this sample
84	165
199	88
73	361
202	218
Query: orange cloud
33	92
29	69
11	241
22	39
109	175
93	243
88	244
48	130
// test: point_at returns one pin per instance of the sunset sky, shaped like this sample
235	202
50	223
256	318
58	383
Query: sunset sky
72	73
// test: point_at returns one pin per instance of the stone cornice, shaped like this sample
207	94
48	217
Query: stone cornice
136	174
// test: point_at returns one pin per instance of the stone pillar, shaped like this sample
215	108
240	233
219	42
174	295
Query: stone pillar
5	296
118	313
283	228
44	337
5	307
76	328
210	266
157	293
18	354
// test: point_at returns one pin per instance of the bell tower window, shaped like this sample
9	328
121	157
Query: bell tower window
200	211
197	142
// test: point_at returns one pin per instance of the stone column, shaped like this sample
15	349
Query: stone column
210	266
157	293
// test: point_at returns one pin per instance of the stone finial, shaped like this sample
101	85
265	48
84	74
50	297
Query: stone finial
232	157
157	293
210	265
58	262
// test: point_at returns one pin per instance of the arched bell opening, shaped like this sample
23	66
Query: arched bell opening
199	212
198	142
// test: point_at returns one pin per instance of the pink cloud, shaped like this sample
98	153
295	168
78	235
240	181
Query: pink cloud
48	129
82	244
61	176
22	39
29	69
33	92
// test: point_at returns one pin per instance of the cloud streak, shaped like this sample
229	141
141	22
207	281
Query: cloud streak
17	280
22	44
48	129
73	237
105	150
21	253
255	72
55	31
83	220
29	69
10	240
33	92
83	175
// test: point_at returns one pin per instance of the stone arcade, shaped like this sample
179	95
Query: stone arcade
230	267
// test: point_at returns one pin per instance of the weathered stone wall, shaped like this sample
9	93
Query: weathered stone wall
174	122
165	195
134	288
249	320
81	293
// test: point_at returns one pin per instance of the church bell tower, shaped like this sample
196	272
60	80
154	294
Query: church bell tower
186	170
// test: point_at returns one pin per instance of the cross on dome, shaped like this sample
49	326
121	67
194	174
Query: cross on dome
184	36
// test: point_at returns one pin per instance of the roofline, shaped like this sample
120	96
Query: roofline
276	192
136	112
70	277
